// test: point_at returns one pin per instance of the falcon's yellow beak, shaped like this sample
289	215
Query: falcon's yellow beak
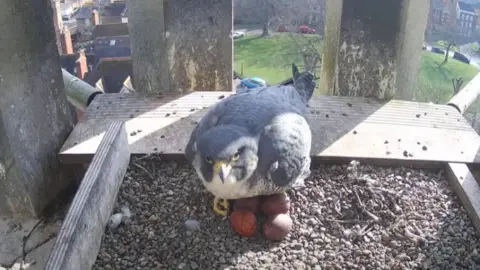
222	169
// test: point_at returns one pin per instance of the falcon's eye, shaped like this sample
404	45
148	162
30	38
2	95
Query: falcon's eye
209	160
236	156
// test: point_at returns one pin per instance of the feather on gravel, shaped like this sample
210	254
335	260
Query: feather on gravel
347	217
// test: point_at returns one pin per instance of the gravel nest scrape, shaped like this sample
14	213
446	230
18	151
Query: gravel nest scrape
347	217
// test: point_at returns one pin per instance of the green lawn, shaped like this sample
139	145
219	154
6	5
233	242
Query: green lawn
270	59
434	83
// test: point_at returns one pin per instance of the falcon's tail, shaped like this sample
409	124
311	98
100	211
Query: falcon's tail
303	82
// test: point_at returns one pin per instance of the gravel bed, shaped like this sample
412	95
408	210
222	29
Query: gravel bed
347	217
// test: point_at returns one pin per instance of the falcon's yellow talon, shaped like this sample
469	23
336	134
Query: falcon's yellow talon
221	206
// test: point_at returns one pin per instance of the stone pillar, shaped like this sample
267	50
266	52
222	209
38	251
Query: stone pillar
66	41
373	47
57	22
35	118
146	27
189	48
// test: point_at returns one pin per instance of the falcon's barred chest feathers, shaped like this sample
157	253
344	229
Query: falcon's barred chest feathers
254	143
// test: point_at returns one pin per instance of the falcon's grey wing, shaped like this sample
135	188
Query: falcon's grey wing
284	151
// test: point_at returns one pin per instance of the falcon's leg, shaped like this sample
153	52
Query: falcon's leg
221	206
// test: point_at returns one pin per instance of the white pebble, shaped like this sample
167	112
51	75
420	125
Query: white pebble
114	221
192	225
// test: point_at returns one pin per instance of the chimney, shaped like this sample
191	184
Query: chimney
81	65
95	17
66	41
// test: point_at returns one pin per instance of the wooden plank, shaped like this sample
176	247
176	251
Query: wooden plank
343	128
79	239
467	189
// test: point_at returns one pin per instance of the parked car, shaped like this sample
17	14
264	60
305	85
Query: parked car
437	50
461	57
253	82
238	34
305	29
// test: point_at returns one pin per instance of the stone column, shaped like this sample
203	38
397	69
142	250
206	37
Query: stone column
189	48
373	47
35	118
57	22
146	27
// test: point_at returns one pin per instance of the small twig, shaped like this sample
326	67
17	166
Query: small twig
24	242
143	169
362	206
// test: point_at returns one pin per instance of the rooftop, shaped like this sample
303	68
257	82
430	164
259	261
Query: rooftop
110	30
114	9
84	12
465	7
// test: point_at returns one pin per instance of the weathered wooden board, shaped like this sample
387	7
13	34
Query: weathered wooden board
79	240
343	128
467	189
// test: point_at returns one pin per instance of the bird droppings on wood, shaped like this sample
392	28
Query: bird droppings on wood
346	217
326	115
344	114
133	133
132	115
349	104
354	132
424	148
405	153
162	136
167	115
192	109
386	142
418	115
221	97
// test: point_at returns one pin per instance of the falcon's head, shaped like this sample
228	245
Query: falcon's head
225	154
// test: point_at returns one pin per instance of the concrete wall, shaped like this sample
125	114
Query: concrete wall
188	49
35	118
373	47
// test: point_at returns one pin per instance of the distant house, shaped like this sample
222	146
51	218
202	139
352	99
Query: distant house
83	16
109	30
108	47
111	75
466	19
442	15
68	7
112	13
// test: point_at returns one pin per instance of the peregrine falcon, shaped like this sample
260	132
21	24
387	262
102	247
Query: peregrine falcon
254	143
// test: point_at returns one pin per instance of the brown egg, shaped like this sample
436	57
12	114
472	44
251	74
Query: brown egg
243	222
276	204
251	204
277	227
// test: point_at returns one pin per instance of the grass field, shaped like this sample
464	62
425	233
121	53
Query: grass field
270	59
